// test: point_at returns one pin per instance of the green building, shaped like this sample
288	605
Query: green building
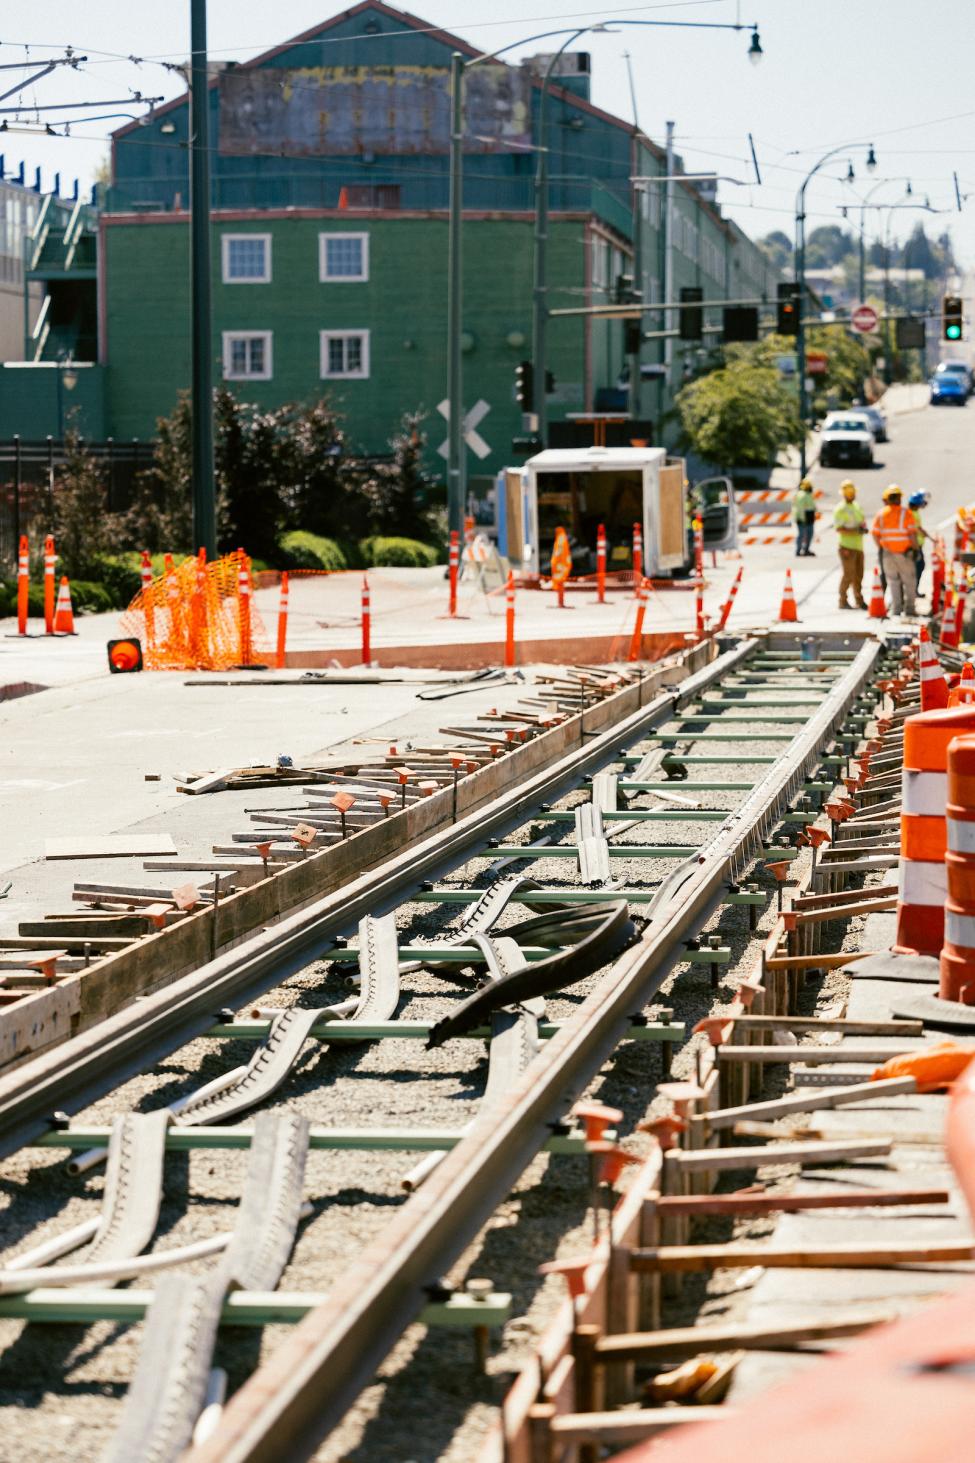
330	184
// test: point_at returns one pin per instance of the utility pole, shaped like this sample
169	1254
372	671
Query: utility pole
668	231
456	454
635	328
204	495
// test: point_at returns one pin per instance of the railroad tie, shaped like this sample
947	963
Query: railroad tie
169	1387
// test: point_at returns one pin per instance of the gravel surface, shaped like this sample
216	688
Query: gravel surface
62	1386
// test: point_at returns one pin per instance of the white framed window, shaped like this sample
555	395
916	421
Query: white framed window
247	355
343	257
246	258
344	355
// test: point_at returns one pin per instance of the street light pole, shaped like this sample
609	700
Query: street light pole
801	282
204	496
456	456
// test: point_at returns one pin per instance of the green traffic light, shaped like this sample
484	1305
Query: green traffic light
953	332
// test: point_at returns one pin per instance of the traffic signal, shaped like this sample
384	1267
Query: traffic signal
951	317
740	323
787	316
691	322
525	385
623	291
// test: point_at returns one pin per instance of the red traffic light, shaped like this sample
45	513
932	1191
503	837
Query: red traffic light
124	656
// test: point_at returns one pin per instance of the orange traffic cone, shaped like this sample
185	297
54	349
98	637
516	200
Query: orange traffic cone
934	687
950	631
878	609
787	609
964	693
63	612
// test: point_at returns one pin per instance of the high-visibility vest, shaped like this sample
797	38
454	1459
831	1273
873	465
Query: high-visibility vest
893	529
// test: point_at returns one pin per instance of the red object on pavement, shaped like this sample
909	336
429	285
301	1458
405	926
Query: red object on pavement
637	555
454	562
787	609
366	623
282	619
50	558
641	608
601	564
23	584
509	621
726	607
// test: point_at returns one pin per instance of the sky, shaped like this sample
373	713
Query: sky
841	73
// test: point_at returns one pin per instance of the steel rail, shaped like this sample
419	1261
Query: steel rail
291	1403
84	1068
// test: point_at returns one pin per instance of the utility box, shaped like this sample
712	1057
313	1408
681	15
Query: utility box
579	489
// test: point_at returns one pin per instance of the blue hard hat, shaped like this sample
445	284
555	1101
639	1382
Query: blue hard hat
917	500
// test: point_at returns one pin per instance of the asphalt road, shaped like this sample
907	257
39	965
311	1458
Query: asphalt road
932	449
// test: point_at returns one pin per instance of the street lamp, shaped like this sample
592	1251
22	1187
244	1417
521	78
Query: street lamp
456	453
871	164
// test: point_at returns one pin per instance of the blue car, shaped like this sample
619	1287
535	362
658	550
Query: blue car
948	390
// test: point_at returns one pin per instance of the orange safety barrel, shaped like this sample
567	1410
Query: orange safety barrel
958	951
923	884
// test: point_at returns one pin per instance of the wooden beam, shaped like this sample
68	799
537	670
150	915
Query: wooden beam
690	1340
689	1258
825	1097
817	1152
698	1205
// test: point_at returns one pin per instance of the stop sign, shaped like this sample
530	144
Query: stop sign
864	319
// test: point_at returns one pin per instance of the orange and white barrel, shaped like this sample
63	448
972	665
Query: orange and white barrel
923	884
958	951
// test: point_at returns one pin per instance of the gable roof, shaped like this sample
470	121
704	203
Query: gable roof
409	22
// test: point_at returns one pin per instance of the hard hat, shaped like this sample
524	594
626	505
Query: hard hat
848	488
917	500
805	484
891	491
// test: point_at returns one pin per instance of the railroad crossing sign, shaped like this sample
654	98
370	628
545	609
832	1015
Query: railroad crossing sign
864	319
472	420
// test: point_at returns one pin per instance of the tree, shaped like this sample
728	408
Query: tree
82	526
828	245
778	247
394	490
742	415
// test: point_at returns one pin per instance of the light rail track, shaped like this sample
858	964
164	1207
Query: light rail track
598	952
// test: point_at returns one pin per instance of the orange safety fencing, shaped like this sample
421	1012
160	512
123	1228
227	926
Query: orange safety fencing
199	616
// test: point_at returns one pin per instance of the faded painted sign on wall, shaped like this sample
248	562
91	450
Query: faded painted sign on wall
328	110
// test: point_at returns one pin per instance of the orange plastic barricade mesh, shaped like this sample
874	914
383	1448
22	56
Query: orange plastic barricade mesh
199	616
933	1068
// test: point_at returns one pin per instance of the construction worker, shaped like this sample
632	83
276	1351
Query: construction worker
895	533
851	524
916	502
804	516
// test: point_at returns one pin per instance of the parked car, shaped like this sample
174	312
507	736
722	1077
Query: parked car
846	438
948	389
960	369
877	420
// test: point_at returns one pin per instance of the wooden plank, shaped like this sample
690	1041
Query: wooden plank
681	1341
786	1055
631	1425
823	1097
828	1023
109	845
40	1020
695	1205
687	1259
723	1159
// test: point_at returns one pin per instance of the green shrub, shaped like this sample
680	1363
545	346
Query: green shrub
87	595
302	550
399	553
119	575
8	602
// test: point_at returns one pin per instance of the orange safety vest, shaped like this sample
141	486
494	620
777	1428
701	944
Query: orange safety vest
892	528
